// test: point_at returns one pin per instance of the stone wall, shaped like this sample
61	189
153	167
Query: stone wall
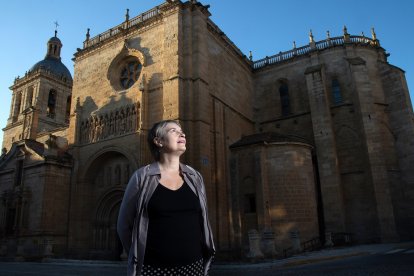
401	130
273	189
343	132
38	203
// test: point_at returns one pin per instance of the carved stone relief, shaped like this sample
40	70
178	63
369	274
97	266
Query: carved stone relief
111	124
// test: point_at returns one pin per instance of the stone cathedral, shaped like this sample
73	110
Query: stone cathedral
315	143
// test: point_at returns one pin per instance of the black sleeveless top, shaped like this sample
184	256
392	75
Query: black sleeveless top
174	229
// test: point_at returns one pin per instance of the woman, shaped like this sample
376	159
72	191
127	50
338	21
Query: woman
163	223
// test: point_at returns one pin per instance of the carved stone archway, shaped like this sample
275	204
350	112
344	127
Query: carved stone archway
106	178
106	243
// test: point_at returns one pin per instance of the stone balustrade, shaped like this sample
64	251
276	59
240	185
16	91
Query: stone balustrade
320	45
123	26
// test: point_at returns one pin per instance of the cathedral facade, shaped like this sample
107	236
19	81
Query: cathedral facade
310	144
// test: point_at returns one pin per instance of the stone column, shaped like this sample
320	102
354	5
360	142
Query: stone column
325	147
75	131
36	91
12	108
35	124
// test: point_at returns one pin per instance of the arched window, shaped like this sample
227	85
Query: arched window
68	105
29	97
17	105
51	104
336	92
284	99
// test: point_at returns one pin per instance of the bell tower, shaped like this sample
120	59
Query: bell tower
54	45
41	99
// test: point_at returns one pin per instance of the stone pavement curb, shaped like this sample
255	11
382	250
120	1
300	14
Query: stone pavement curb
317	256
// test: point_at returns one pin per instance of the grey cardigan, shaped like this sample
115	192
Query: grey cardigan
133	216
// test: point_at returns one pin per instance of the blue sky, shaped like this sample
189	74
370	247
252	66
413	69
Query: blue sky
264	27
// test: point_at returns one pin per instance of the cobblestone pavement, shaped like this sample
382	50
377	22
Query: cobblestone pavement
379	259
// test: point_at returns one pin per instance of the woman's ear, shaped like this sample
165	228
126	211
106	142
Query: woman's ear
157	142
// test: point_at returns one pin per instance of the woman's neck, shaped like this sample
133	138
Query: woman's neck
169	163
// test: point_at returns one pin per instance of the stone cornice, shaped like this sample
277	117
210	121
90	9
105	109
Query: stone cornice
12	125
217	32
31	76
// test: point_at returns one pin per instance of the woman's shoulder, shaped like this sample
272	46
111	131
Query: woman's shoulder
146	170
188	169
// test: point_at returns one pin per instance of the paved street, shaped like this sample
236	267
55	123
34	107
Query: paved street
388	259
385	263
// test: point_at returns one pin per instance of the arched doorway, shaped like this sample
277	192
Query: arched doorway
106	244
107	177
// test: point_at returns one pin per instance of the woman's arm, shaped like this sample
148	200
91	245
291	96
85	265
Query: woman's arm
127	211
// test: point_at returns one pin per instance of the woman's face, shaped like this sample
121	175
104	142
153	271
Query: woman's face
173	140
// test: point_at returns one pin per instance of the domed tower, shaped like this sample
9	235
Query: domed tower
41	98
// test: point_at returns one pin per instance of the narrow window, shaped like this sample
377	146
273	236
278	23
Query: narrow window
29	97
51	104
284	99
249	203
336	92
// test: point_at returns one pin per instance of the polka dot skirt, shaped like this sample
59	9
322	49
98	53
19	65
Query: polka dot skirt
194	269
